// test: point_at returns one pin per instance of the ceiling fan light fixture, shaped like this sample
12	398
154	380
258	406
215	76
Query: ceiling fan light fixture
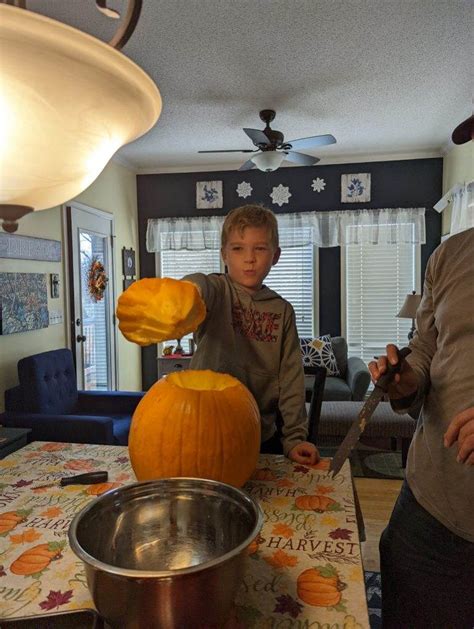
268	161
69	101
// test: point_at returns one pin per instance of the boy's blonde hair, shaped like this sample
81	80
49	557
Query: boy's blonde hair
250	216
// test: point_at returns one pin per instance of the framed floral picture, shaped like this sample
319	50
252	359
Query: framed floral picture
209	195
128	262
355	188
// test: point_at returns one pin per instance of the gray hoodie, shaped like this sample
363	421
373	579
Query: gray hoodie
254	338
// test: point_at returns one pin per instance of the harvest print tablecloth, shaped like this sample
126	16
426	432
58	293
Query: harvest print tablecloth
304	569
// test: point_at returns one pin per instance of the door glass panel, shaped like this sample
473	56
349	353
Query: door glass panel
95	326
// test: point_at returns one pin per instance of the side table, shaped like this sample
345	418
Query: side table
12	439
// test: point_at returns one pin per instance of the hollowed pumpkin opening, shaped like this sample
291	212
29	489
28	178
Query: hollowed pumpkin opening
205	380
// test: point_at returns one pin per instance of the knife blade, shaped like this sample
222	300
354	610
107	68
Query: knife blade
365	414
89	478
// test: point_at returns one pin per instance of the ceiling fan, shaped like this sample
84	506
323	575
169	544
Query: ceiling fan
272	149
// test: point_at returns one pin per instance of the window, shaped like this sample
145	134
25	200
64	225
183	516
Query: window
377	280
292	278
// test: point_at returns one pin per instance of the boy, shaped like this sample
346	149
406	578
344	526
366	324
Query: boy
250	331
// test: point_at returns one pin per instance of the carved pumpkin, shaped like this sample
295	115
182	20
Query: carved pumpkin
196	423
320	586
36	559
314	503
153	310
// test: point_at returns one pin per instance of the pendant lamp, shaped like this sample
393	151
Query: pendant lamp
68	102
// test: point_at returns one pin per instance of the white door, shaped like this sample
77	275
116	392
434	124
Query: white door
92	301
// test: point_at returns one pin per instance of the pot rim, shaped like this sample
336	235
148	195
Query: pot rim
91	561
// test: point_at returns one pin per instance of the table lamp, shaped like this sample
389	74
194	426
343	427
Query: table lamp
408	310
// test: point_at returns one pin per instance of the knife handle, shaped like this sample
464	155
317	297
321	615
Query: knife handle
90	478
388	376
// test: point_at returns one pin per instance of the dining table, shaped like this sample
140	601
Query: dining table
303	571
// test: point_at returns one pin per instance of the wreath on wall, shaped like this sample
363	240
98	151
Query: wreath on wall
96	280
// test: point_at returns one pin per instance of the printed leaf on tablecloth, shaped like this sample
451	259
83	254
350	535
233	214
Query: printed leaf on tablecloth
286	604
341	534
55	599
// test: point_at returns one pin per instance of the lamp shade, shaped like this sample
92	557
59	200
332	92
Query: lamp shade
68	102
410	306
267	161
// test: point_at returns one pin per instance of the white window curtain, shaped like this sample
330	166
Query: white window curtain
462	216
321	229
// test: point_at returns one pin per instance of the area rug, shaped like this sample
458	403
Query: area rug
367	462
374	598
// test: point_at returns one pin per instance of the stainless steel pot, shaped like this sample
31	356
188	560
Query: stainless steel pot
167	553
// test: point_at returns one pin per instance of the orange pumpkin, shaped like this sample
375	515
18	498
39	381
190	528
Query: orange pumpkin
320	586
10	519
196	423
153	310
36	559
314	503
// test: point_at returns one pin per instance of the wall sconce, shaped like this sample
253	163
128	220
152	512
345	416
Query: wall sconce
69	101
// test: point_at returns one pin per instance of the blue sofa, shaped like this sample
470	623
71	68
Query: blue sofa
353	382
48	402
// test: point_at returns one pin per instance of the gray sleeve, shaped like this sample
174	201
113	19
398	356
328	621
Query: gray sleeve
423	345
291	384
208	286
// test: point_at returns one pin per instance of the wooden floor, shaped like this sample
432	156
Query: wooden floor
376	497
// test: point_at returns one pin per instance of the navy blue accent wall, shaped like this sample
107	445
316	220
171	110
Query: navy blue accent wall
403	183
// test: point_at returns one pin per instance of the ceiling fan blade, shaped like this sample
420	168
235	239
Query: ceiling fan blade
312	142
257	137
248	165
230	151
301	158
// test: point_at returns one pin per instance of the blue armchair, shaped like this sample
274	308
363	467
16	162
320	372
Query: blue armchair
48	402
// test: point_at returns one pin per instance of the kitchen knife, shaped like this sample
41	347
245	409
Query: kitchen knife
90	478
365	414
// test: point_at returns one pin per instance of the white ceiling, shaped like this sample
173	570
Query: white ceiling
385	77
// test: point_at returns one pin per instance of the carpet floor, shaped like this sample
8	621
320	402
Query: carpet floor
374	598
367	462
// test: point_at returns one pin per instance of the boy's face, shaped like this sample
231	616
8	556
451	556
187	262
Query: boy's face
249	256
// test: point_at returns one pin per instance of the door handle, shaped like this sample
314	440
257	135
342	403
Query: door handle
80	338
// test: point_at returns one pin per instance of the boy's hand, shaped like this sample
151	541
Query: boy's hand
404	383
305	453
461	429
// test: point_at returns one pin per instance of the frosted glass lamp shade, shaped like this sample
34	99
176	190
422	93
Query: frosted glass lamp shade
410	306
267	161
68	102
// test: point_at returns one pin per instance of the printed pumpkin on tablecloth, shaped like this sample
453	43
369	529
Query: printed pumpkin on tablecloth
196	423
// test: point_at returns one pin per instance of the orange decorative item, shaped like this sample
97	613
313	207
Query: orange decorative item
10	519
320	586
36	559
100	488
153	310
196	423
315	503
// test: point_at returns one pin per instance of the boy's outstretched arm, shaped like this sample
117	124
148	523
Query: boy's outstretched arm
304	452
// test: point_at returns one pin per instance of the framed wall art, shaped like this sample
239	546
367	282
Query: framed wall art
23	302
355	188
29	248
209	195
128	262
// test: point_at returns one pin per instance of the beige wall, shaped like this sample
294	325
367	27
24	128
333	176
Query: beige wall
115	192
458	167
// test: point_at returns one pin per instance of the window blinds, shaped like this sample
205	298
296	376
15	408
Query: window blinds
378	278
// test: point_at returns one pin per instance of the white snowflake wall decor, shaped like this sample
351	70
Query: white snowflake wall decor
280	195
355	188
318	184
244	189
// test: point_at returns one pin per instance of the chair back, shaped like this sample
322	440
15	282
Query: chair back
316	402
48	382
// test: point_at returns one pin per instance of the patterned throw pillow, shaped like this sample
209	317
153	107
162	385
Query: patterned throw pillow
318	353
